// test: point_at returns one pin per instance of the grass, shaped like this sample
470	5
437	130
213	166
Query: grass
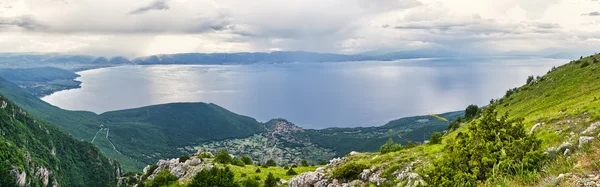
278	172
565	101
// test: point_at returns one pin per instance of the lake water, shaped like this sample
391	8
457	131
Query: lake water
312	95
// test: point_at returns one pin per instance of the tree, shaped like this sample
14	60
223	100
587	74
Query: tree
490	147
214	177
257	170
270	181
247	160
271	163
390	146
436	138
238	162
291	172
163	178
530	79
223	157
472	111
304	163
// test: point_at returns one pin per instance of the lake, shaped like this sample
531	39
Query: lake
312	95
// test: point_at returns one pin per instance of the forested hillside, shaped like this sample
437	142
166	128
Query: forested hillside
34	153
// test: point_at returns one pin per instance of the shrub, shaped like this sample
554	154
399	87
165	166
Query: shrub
294	166
184	158
473	111
436	138
163	178
349	171
323	163
214	177
205	155
530	79
291	172
286	167
585	64
270	181
390	146
223	157
257	170
491	147
304	163
238	162
271	163
247	160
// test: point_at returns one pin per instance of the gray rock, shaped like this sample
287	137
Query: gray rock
567	152
320	170
563	146
354	153
591	128
20	178
534	127
308	179
585	140
364	175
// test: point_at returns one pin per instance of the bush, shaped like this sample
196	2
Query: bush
323	163
238	162
585	64
455	124
163	178
257	170
205	155
390	146
247	160
270	181
436	138
472	111
286	167
349	171
304	163
294	166
184	158
530	79
214	177
223	157
270	163
291	172
491	147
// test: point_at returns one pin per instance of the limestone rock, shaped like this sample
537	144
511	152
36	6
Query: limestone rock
567	152
534	127
20	177
585	140
308	179
591	128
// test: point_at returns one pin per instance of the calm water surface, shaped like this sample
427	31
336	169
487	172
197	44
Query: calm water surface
313	95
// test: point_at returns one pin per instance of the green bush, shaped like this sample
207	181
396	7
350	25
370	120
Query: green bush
349	171
214	177
184	158
257	170
250	182
205	155
223	157
436	138
291	172
491	147
270	163
304	163
390	146
270	181
472	111
247	160
163	178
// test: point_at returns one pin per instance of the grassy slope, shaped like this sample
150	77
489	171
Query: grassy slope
564	101
72	162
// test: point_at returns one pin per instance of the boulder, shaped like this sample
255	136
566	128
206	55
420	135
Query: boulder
364	175
308	179
563	146
585	140
567	152
591	128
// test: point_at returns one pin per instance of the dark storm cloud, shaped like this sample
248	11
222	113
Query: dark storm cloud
156	5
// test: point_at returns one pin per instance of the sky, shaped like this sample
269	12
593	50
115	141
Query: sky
145	27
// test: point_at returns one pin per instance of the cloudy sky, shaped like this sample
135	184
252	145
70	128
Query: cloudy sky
144	27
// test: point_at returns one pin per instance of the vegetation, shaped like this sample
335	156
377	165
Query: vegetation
390	146
41	81
223	157
163	178
349	171
29	145
490	148
214	177
291	172
436	138
270	163
270	181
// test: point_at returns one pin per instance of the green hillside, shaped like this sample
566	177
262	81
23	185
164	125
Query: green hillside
544	133
39	154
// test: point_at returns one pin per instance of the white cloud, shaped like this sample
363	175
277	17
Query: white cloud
142	27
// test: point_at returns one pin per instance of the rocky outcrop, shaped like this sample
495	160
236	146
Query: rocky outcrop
308	179
20	177
182	170
585	140
535	127
591	128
